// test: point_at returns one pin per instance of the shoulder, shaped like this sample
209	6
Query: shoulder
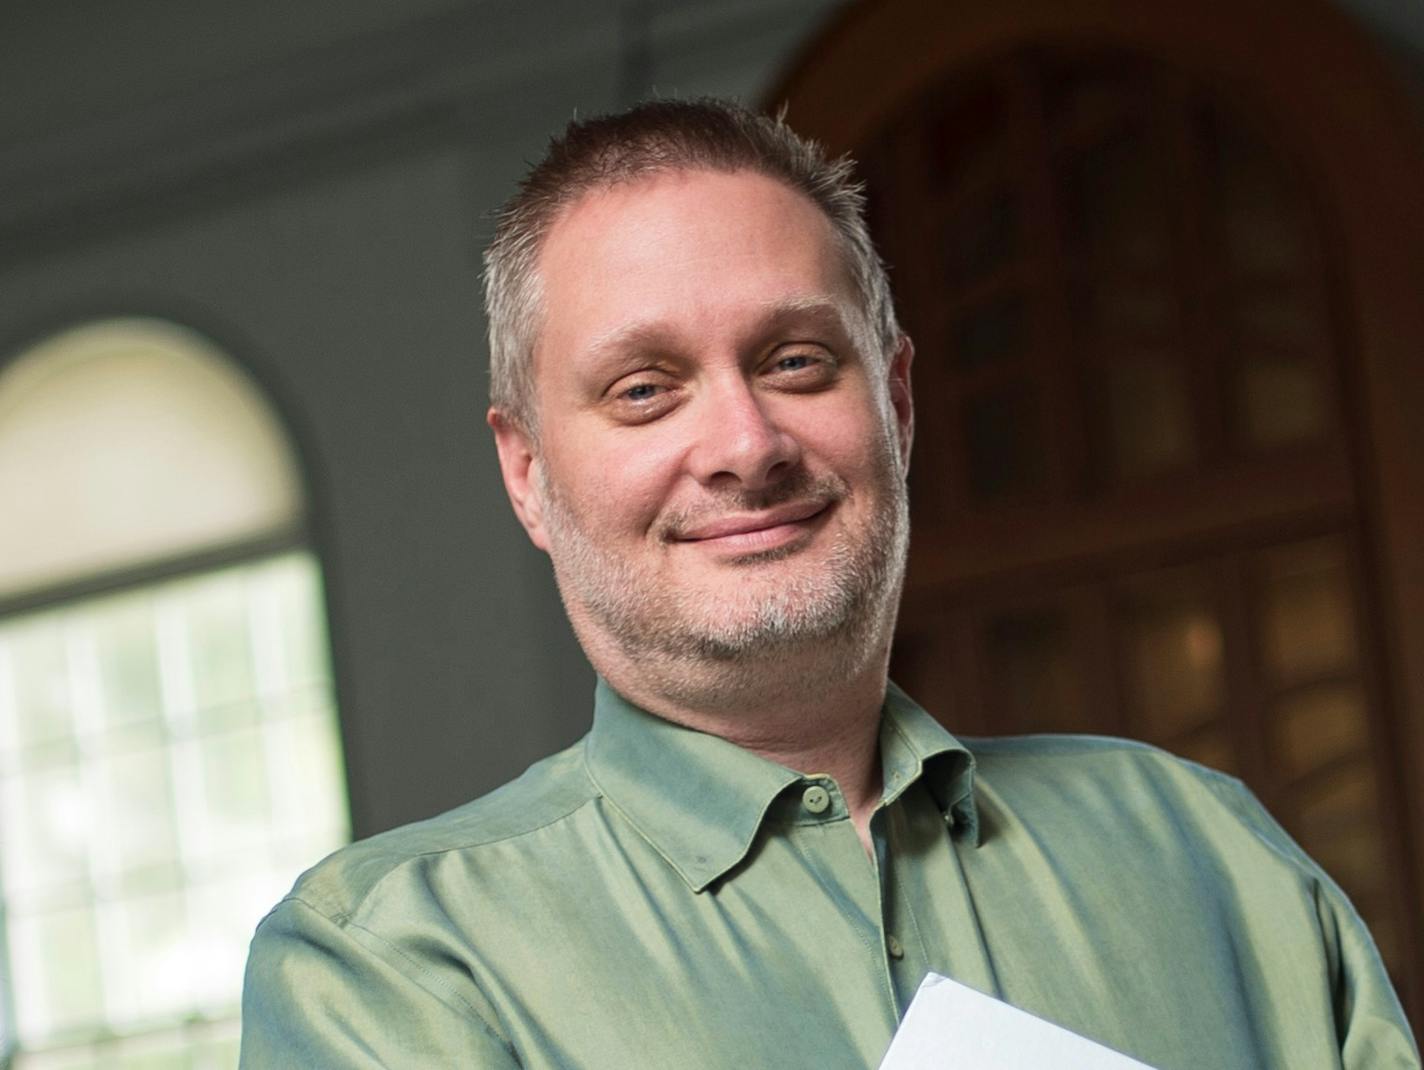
1083	762
1118	787
550	793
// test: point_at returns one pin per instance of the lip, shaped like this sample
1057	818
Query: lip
766	526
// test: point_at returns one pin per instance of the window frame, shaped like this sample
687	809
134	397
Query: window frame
296	536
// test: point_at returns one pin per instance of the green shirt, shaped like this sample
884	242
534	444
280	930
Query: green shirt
657	897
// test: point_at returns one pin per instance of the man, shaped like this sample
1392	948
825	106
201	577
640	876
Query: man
701	403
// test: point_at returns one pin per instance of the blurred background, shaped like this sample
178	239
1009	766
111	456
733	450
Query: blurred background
259	587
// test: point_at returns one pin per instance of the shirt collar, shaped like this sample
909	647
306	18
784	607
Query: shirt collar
699	800
913	745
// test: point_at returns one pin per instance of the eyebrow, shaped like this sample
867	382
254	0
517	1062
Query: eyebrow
630	339
825	313
633	339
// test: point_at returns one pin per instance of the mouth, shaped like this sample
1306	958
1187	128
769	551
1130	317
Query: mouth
766	529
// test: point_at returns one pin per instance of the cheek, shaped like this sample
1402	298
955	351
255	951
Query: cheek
849	442
622	489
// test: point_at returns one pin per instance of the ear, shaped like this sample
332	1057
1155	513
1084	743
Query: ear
517	461
901	400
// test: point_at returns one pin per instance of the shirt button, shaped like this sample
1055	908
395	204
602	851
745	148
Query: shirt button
893	945
816	799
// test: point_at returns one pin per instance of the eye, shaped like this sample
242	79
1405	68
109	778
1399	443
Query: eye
637	399
803	368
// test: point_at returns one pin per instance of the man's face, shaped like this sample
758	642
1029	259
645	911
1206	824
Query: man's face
720	457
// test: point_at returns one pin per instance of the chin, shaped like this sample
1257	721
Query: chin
771	627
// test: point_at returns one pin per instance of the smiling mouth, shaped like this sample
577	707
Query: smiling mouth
762	530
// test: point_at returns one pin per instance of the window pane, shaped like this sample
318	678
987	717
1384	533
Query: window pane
219	651
199	772
55	961
234	779
46	823
1266	229
216	1051
224	914
35	700
67	1058
981	238
149	961
1005	443
1034	672
139	843
195	1046
1286	317
291	586
306	774
1280	401
1117	307
1113	197
1175	663
1307	615
1321	725
1212	748
1149	416
158	1053
990	333
127	655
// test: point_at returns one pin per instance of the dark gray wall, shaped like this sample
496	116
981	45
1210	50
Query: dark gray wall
308	183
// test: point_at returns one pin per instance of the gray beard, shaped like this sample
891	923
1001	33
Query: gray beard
844	612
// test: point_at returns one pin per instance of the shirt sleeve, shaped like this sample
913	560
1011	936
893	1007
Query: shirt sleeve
1370	1026
323	994
1369	1021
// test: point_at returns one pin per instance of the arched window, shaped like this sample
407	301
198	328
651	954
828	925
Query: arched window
169	754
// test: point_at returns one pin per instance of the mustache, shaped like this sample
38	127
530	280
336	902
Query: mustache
796	487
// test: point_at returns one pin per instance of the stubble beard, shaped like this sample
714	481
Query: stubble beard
793	629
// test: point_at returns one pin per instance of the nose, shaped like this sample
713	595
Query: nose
739	441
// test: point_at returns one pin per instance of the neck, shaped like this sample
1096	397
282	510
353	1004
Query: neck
815	713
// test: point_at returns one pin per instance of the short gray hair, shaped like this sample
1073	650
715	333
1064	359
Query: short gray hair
654	137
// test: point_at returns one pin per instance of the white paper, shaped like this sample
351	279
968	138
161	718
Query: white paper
951	1025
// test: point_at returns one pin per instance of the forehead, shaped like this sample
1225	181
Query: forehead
687	250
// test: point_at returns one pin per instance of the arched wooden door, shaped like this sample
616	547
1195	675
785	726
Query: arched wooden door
1163	270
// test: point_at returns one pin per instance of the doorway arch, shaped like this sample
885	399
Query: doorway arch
1149	488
